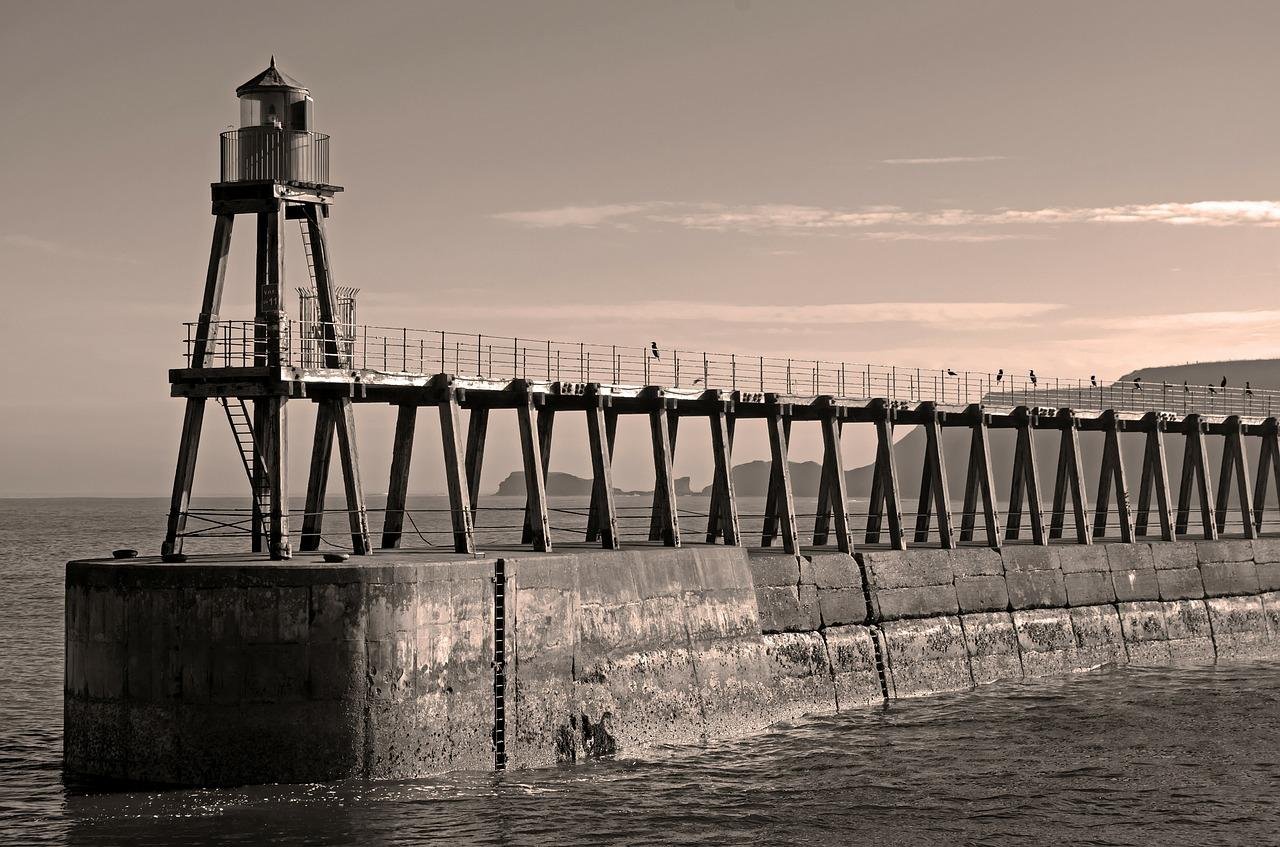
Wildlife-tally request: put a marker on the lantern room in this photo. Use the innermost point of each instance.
(275, 140)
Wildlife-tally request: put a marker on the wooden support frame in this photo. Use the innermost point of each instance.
(1234, 466)
(980, 481)
(1026, 482)
(274, 441)
(318, 479)
(398, 486)
(357, 514)
(477, 434)
(1069, 478)
(1155, 479)
(772, 521)
(1111, 474)
(1268, 467)
(784, 502)
(536, 452)
(598, 511)
(663, 435)
(723, 518)
(545, 428)
(835, 487)
(1195, 472)
(455, 475)
(603, 505)
(885, 497)
(658, 523)
(934, 494)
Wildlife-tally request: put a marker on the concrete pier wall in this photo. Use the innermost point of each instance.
(222, 672)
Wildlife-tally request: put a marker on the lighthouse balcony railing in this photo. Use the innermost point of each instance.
(315, 346)
(271, 153)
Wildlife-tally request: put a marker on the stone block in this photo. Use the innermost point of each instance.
(801, 675)
(1030, 557)
(1239, 627)
(976, 561)
(1099, 640)
(992, 645)
(1266, 550)
(771, 569)
(840, 606)
(926, 656)
(1046, 641)
(1268, 575)
(788, 608)
(917, 602)
(852, 653)
(1034, 589)
(1083, 558)
(1224, 550)
(1228, 578)
(1271, 615)
(1173, 555)
(1135, 584)
(1190, 636)
(1126, 557)
(835, 570)
(1088, 588)
(1180, 584)
(982, 593)
(890, 569)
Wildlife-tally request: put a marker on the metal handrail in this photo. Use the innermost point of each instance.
(269, 152)
(402, 350)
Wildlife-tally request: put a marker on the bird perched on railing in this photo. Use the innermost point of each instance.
(951, 372)
(1186, 389)
(1248, 389)
(1224, 382)
(1000, 375)
(653, 348)
(1032, 376)
(1093, 380)
(1137, 383)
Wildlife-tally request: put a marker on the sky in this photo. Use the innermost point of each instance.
(1078, 188)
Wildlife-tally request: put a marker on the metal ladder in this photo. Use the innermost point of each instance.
(242, 430)
(306, 251)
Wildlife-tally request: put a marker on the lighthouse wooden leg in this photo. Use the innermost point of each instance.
(596, 510)
(455, 476)
(1233, 466)
(716, 510)
(1112, 473)
(1195, 472)
(885, 498)
(836, 486)
(273, 438)
(786, 509)
(398, 485)
(184, 476)
(824, 513)
(657, 521)
(604, 509)
(1268, 466)
(318, 478)
(724, 502)
(935, 460)
(357, 513)
(769, 532)
(664, 488)
(535, 452)
(545, 429)
(477, 432)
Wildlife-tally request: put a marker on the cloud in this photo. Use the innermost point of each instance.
(966, 316)
(30, 242)
(953, 237)
(892, 222)
(1241, 320)
(943, 160)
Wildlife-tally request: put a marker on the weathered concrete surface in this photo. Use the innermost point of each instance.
(926, 656)
(1046, 640)
(1099, 639)
(915, 584)
(1034, 578)
(854, 652)
(215, 674)
(992, 645)
(1239, 627)
(979, 580)
(802, 683)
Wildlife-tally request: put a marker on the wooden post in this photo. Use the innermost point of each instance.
(935, 462)
(664, 487)
(724, 508)
(1026, 480)
(455, 475)
(603, 506)
(785, 503)
(1195, 470)
(773, 493)
(546, 427)
(326, 299)
(1155, 477)
(657, 521)
(275, 457)
(318, 478)
(477, 433)
(1112, 472)
(193, 414)
(885, 498)
(1070, 473)
(398, 486)
(259, 479)
(824, 513)
(835, 484)
(1268, 466)
(1233, 464)
(979, 480)
(535, 454)
(596, 510)
(348, 455)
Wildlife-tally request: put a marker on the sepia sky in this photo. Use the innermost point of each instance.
(1084, 187)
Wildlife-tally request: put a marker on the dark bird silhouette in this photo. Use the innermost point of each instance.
(653, 348)
(698, 380)
(1137, 383)
(1185, 387)
(1212, 390)
(1033, 377)
(1224, 382)
(950, 372)
(1093, 380)
(1248, 389)
(999, 374)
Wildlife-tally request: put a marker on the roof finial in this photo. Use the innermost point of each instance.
(273, 60)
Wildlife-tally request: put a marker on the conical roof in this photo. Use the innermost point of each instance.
(272, 79)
